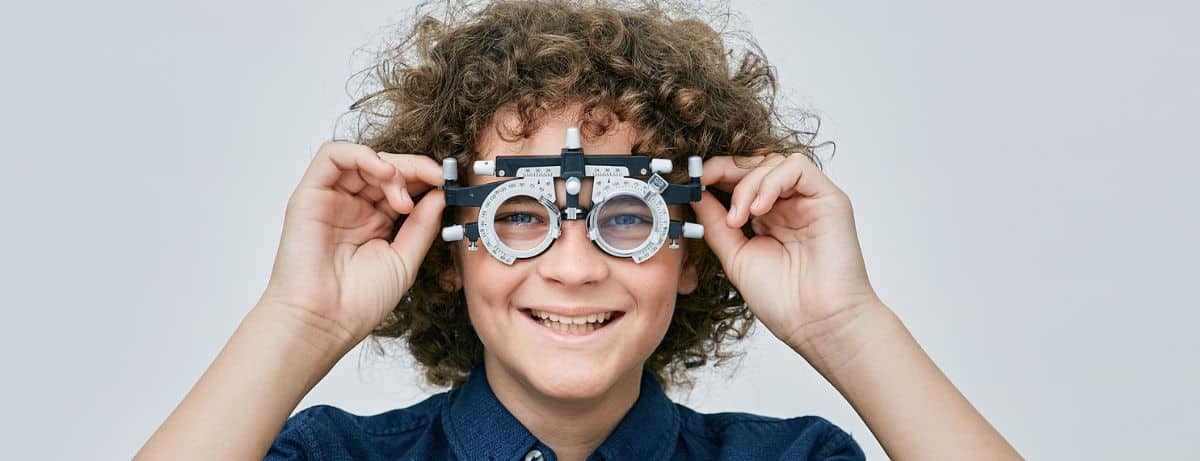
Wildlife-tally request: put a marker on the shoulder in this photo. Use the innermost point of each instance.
(325, 431)
(735, 434)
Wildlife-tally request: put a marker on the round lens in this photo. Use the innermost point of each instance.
(624, 222)
(521, 222)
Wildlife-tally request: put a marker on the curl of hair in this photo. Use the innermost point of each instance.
(657, 66)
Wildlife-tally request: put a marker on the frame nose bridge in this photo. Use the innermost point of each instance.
(585, 194)
(574, 232)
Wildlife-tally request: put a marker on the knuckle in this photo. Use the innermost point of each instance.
(295, 201)
(841, 199)
(325, 151)
(359, 150)
(804, 161)
(328, 146)
(329, 149)
(779, 181)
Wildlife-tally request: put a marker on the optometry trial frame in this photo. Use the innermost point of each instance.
(519, 218)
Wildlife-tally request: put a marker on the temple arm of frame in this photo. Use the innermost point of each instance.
(469, 195)
(678, 194)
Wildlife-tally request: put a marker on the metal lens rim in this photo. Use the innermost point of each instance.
(639, 190)
(530, 187)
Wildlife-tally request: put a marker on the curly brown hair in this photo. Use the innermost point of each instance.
(658, 67)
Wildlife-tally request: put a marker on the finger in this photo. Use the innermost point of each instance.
(373, 194)
(743, 195)
(778, 183)
(418, 231)
(784, 218)
(334, 159)
(759, 226)
(418, 172)
(393, 188)
(387, 210)
(399, 200)
(350, 182)
(801, 212)
(723, 239)
(812, 182)
(723, 172)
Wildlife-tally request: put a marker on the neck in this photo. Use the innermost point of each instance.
(572, 428)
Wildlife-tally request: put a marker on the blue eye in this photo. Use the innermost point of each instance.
(625, 220)
(520, 218)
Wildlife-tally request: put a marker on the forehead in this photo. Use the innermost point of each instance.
(548, 139)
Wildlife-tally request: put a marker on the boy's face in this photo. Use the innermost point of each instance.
(572, 277)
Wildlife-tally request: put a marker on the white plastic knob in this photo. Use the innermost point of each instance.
(452, 233)
(660, 165)
(692, 230)
(573, 138)
(484, 168)
(695, 166)
(450, 169)
(573, 186)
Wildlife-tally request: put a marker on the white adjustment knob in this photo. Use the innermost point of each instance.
(573, 138)
(573, 186)
(452, 233)
(660, 165)
(484, 168)
(692, 230)
(695, 166)
(450, 169)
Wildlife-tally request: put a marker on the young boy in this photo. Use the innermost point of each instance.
(556, 320)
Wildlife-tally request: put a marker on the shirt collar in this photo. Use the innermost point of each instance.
(480, 427)
(649, 430)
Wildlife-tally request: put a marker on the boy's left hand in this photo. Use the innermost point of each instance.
(804, 268)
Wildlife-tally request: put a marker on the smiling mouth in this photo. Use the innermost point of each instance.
(580, 325)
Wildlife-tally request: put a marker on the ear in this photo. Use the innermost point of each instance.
(689, 278)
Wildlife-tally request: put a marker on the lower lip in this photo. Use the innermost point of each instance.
(572, 339)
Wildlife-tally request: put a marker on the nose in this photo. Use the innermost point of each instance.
(573, 260)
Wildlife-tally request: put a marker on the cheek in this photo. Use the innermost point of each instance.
(481, 272)
(488, 285)
(654, 284)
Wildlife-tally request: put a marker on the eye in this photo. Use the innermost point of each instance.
(625, 220)
(520, 218)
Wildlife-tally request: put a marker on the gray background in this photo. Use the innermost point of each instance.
(1023, 173)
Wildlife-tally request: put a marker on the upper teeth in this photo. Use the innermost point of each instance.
(579, 320)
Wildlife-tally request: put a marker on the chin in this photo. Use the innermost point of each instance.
(575, 381)
(570, 377)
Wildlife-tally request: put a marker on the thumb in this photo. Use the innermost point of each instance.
(418, 231)
(722, 239)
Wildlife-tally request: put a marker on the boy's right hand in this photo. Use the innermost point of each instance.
(335, 269)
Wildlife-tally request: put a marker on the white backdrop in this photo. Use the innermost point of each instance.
(1024, 177)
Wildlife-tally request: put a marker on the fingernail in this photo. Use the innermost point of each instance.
(757, 203)
(383, 163)
(733, 211)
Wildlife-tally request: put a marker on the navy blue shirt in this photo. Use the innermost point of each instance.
(469, 423)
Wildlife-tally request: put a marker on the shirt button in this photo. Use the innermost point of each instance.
(534, 455)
